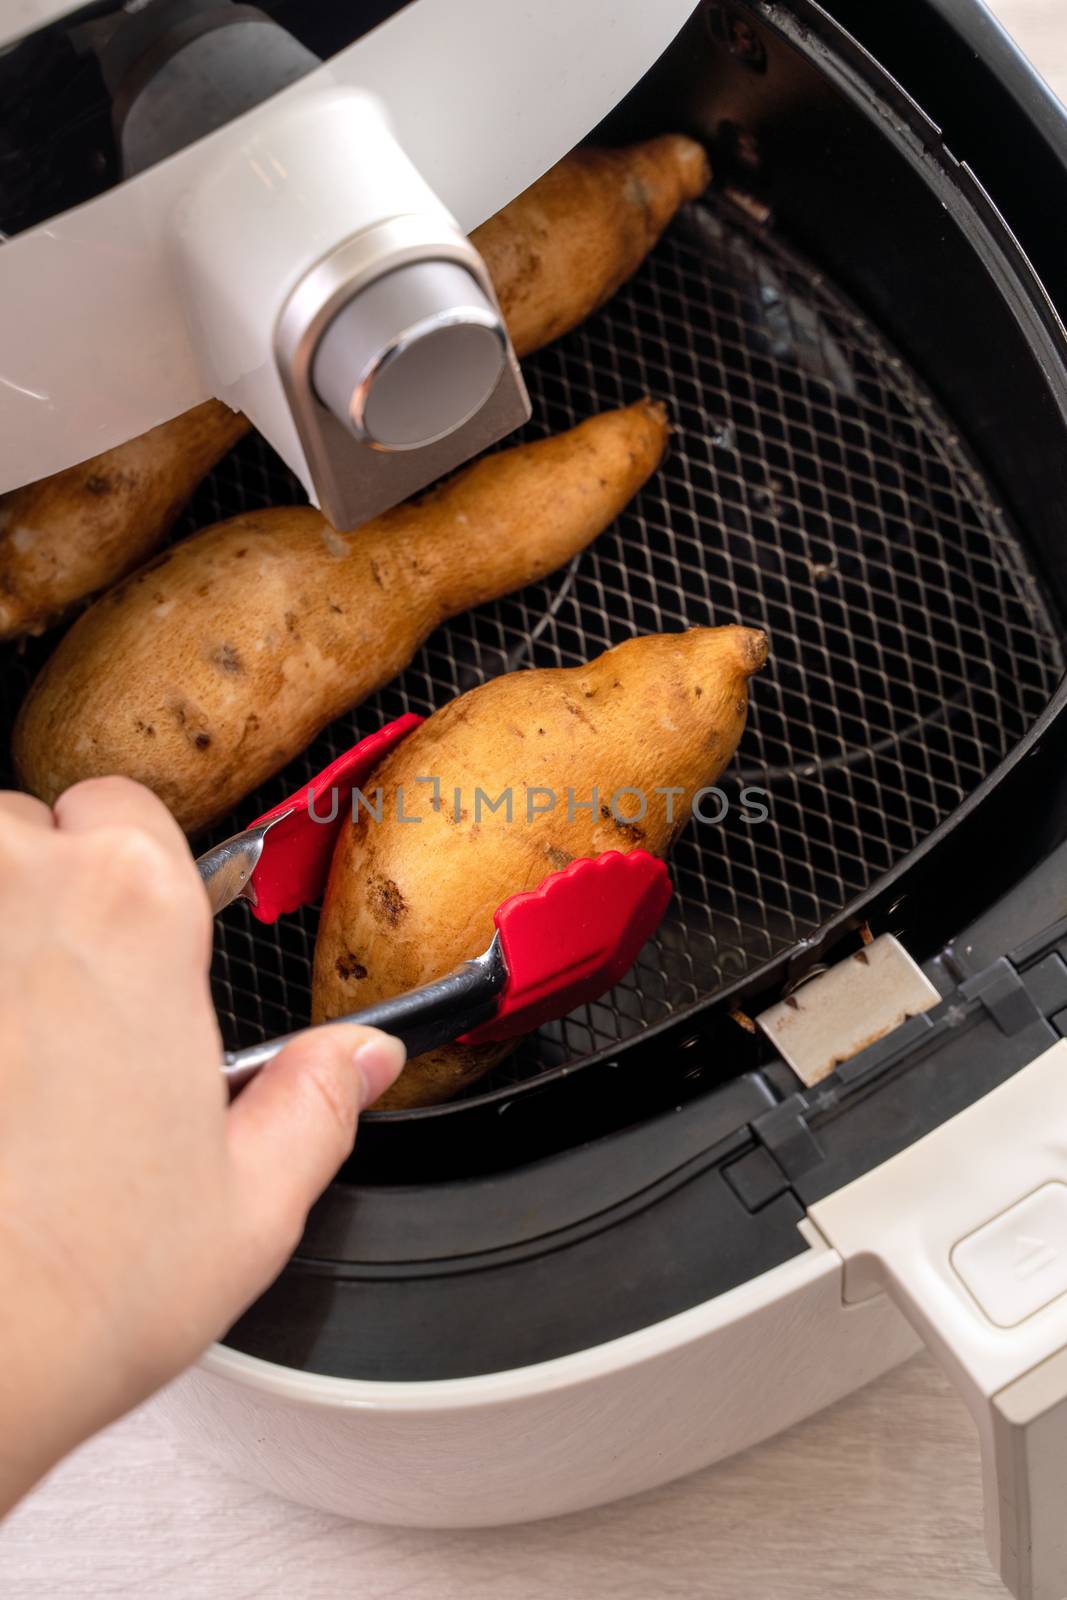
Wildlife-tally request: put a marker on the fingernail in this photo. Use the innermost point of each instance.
(379, 1059)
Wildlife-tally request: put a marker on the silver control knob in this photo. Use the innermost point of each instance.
(411, 357)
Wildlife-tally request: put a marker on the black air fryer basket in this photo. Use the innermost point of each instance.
(868, 389)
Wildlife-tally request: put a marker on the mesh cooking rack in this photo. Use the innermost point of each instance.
(812, 487)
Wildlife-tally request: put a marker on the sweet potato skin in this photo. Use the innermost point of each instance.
(407, 902)
(71, 534)
(211, 667)
(563, 246)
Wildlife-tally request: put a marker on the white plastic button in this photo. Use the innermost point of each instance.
(1017, 1264)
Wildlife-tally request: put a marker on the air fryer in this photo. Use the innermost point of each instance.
(869, 460)
(856, 334)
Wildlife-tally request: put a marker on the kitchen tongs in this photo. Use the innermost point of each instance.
(555, 947)
(282, 860)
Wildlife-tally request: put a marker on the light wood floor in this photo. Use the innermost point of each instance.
(1040, 28)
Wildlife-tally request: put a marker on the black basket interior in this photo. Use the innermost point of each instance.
(813, 487)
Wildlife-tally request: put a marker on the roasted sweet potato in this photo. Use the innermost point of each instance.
(214, 665)
(563, 246)
(67, 536)
(587, 755)
(554, 254)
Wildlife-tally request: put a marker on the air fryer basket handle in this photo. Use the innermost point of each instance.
(967, 1231)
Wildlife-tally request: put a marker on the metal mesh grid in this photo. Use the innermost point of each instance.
(812, 487)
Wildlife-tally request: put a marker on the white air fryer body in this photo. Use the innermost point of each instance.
(977, 1266)
(550, 1439)
(170, 287)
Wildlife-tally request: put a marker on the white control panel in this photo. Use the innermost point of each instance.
(966, 1229)
(1016, 1264)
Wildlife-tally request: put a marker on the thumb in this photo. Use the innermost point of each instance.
(294, 1125)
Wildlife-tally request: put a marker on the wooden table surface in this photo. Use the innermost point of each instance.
(876, 1499)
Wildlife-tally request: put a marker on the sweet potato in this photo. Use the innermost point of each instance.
(407, 902)
(214, 665)
(563, 246)
(67, 536)
(554, 254)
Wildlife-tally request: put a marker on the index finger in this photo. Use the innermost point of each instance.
(18, 807)
(116, 803)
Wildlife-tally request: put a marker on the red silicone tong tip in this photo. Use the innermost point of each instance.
(570, 940)
(295, 863)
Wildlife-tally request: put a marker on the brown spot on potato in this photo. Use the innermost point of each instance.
(387, 904)
(239, 555)
(629, 830)
(697, 692)
(227, 659)
(349, 967)
(636, 191)
(291, 622)
(337, 610)
(576, 711)
(190, 719)
(559, 858)
(376, 574)
(98, 484)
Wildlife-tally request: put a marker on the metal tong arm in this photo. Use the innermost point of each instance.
(226, 871)
(432, 1015)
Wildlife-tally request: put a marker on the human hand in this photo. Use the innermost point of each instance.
(139, 1213)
